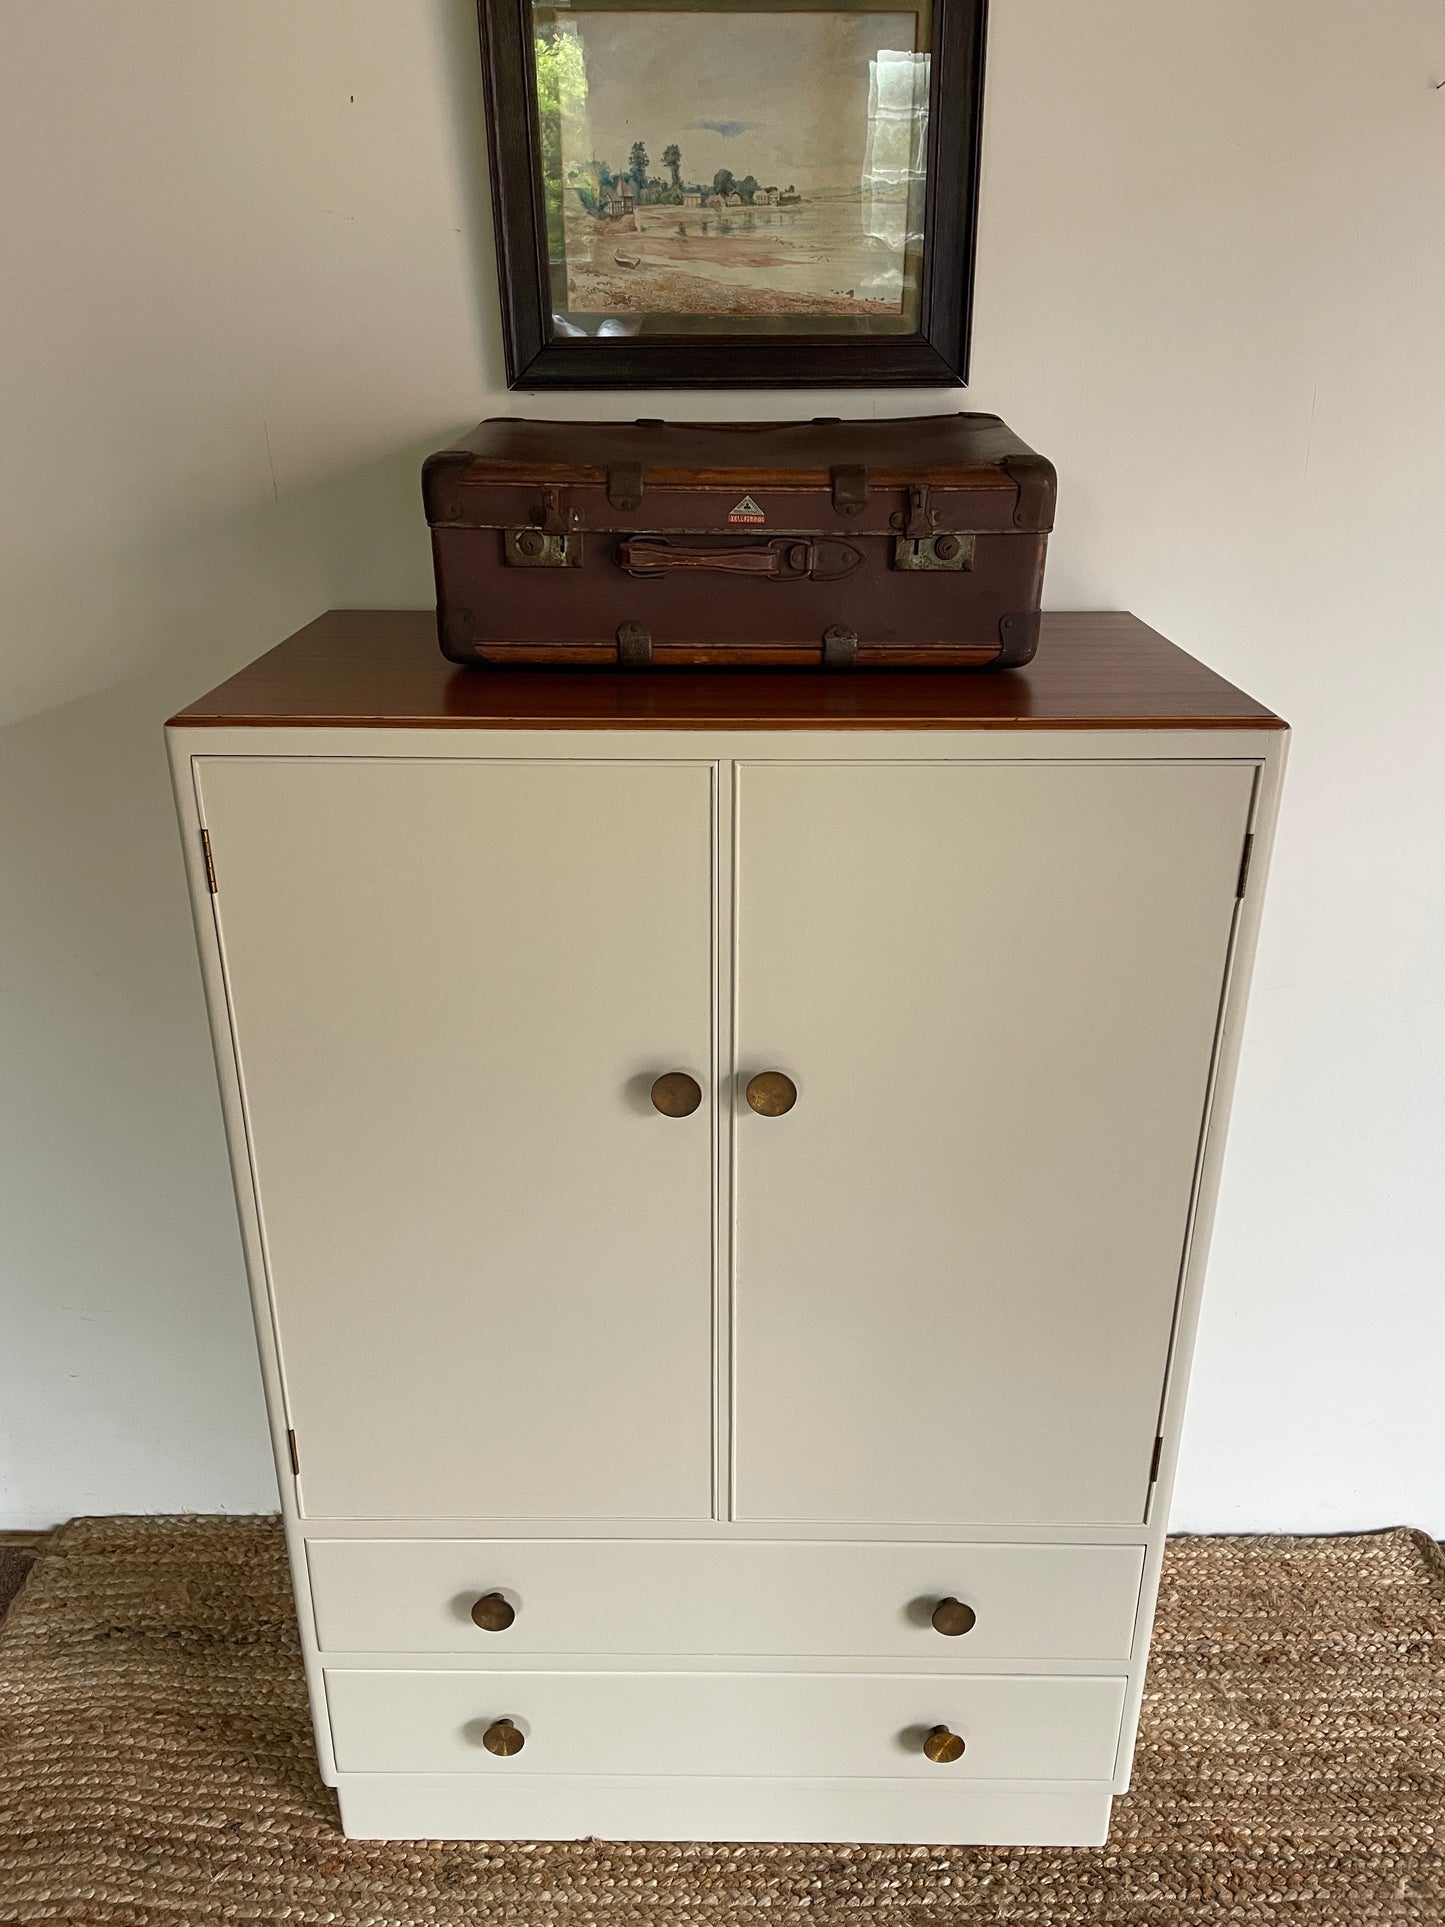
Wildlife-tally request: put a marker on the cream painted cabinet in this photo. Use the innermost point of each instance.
(794, 1467)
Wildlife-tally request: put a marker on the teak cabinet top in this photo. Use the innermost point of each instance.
(382, 668)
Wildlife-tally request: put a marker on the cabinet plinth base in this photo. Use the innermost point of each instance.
(385, 1806)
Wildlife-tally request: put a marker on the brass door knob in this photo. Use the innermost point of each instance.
(676, 1094)
(943, 1747)
(503, 1739)
(951, 1617)
(493, 1613)
(771, 1093)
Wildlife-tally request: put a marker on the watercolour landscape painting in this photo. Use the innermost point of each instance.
(747, 172)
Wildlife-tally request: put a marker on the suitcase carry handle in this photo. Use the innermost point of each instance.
(781, 560)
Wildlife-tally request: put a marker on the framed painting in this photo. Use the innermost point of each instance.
(734, 193)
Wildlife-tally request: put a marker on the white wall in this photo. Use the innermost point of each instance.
(245, 283)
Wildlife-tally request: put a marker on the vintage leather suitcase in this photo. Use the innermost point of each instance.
(904, 542)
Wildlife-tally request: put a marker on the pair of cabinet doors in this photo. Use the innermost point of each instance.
(939, 1290)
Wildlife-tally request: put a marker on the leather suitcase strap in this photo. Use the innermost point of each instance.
(788, 558)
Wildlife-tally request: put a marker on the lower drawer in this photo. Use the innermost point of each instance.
(618, 1596)
(763, 1724)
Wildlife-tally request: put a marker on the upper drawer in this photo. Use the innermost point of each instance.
(823, 1724)
(720, 1597)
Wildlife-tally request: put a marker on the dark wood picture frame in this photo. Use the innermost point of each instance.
(935, 356)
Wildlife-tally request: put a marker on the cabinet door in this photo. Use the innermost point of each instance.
(996, 987)
(451, 986)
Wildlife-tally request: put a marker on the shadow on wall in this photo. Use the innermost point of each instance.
(128, 1358)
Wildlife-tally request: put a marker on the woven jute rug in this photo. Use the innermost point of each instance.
(157, 1766)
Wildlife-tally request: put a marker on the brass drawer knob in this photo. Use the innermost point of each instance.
(771, 1093)
(676, 1094)
(503, 1739)
(493, 1613)
(943, 1747)
(951, 1617)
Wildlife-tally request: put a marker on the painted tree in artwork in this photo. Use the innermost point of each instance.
(561, 90)
(672, 161)
(723, 182)
(637, 165)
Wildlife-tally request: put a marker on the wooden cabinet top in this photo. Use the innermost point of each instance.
(361, 668)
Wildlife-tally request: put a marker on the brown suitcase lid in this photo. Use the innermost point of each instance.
(964, 452)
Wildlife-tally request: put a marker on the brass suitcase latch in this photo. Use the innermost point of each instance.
(933, 551)
(536, 549)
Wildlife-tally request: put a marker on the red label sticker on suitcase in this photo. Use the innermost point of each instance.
(747, 511)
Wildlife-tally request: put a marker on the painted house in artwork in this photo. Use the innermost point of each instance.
(692, 197)
(618, 199)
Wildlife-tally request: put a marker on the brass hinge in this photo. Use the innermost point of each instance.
(1244, 866)
(1154, 1462)
(295, 1455)
(210, 866)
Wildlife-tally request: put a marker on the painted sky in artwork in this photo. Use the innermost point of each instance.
(782, 96)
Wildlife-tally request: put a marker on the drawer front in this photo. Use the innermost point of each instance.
(753, 1724)
(726, 1597)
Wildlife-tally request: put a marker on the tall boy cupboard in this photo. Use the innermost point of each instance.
(725, 1163)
